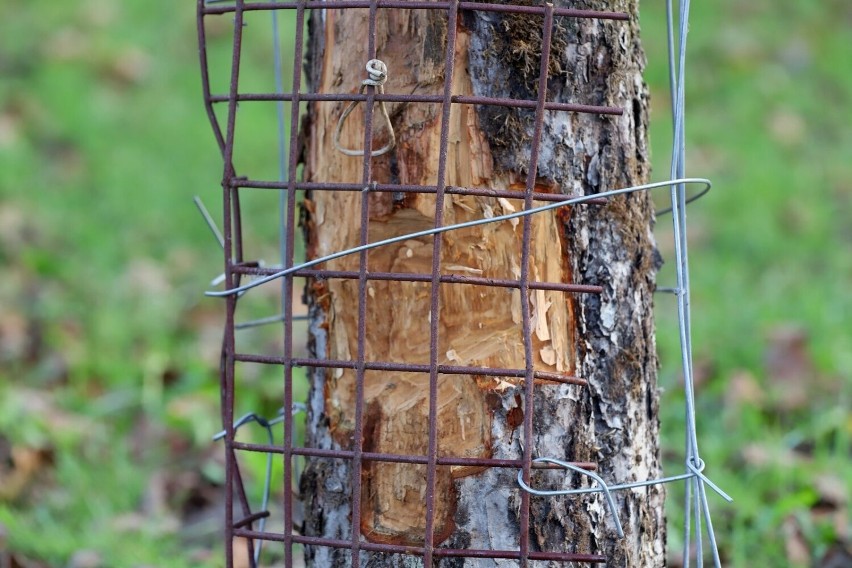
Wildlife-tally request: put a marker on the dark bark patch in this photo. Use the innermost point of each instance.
(515, 416)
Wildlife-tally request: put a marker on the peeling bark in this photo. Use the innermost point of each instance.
(607, 339)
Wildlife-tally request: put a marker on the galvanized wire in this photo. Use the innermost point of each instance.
(458, 226)
(696, 494)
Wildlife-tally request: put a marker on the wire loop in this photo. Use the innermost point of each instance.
(602, 487)
(377, 75)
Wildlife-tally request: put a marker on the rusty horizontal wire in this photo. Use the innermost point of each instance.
(444, 461)
(417, 5)
(414, 277)
(410, 368)
(239, 182)
(423, 99)
(249, 519)
(419, 550)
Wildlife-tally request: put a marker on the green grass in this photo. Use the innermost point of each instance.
(767, 82)
(108, 351)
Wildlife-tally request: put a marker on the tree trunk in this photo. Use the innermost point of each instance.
(607, 339)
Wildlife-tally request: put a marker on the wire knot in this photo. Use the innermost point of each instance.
(377, 71)
(377, 75)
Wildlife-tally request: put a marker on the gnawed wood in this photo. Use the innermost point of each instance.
(478, 326)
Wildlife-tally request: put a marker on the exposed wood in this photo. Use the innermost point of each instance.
(608, 340)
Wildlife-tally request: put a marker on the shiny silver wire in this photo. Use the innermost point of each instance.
(665, 290)
(267, 425)
(697, 508)
(696, 495)
(209, 220)
(278, 72)
(264, 505)
(377, 74)
(690, 199)
(282, 176)
(606, 489)
(458, 226)
(211, 224)
(602, 488)
(278, 318)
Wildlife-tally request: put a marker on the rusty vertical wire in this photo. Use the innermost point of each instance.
(435, 296)
(529, 379)
(360, 369)
(231, 303)
(214, 121)
(244, 503)
(288, 286)
(205, 78)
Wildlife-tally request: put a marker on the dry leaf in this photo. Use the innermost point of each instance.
(23, 466)
(760, 455)
(16, 231)
(146, 277)
(838, 556)
(798, 553)
(790, 370)
(17, 560)
(743, 389)
(787, 127)
(67, 44)
(86, 559)
(130, 67)
(702, 371)
(10, 128)
(101, 13)
(14, 336)
(832, 490)
(832, 505)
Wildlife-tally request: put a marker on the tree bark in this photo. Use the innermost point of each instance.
(607, 339)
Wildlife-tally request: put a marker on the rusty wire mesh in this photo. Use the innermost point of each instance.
(241, 519)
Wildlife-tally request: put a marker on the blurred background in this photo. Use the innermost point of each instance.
(109, 352)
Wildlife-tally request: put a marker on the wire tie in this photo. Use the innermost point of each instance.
(602, 486)
(697, 471)
(254, 417)
(377, 74)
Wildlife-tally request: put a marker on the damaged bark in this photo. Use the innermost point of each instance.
(607, 339)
